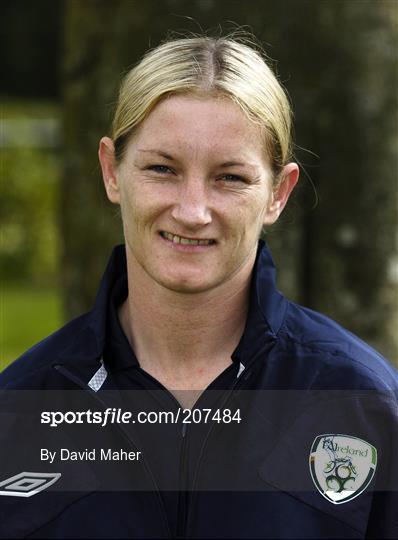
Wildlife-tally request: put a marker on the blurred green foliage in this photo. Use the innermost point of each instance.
(27, 314)
(30, 177)
(29, 242)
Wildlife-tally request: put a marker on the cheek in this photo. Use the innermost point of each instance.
(129, 207)
(251, 216)
(138, 207)
(245, 225)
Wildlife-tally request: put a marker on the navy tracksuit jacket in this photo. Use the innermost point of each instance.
(297, 378)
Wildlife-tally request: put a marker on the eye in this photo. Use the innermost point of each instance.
(161, 169)
(232, 178)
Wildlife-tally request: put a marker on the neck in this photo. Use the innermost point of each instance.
(184, 340)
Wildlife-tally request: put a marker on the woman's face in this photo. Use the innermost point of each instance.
(195, 189)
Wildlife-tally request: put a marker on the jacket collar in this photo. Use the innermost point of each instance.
(267, 310)
(88, 345)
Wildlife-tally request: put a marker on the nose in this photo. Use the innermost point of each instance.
(192, 210)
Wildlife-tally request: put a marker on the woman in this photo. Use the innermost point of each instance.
(292, 432)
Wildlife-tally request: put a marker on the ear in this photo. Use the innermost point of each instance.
(106, 154)
(287, 180)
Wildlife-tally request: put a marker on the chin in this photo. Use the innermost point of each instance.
(186, 286)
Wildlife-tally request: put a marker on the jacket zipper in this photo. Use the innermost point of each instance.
(183, 488)
(184, 509)
(183, 495)
(204, 444)
(234, 390)
(70, 376)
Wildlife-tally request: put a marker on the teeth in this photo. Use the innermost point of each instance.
(186, 241)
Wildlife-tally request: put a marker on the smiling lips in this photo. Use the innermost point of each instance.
(186, 241)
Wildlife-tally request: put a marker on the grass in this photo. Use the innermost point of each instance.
(27, 315)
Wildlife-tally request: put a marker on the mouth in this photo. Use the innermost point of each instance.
(176, 239)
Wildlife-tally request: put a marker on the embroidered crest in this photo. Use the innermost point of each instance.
(342, 466)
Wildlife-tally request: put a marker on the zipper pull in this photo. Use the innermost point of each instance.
(184, 429)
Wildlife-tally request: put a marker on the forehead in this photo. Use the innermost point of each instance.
(200, 125)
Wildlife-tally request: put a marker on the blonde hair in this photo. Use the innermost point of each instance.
(207, 66)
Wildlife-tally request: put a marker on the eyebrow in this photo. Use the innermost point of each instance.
(159, 152)
(233, 164)
(171, 158)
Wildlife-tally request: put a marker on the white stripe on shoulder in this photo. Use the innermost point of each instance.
(98, 379)
(241, 370)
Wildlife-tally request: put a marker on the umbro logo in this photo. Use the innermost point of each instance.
(26, 484)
